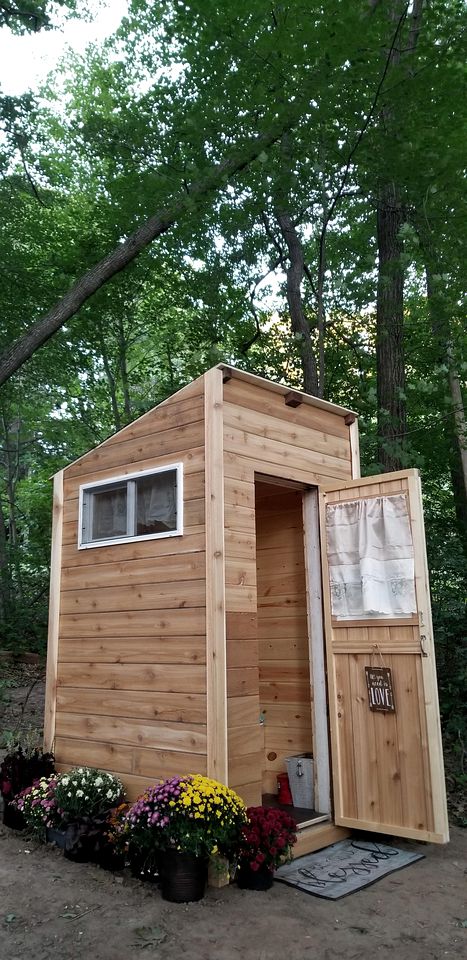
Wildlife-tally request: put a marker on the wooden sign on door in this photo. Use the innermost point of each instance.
(380, 689)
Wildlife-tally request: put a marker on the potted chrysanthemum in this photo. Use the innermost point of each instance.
(38, 807)
(179, 823)
(85, 796)
(266, 842)
(23, 764)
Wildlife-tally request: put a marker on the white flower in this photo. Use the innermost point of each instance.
(109, 794)
(70, 793)
(75, 783)
(98, 781)
(65, 781)
(79, 793)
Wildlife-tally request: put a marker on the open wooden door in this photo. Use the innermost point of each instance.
(388, 771)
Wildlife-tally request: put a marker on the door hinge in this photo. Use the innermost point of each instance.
(422, 645)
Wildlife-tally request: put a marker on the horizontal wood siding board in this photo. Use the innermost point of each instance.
(192, 541)
(287, 692)
(189, 392)
(243, 711)
(240, 598)
(241, 744)
(193, 517)
(244, 769)
(283, 648)
(283, 670)
(255, 397)
(273, 428)
(171, 415)
(193, 463)
(250, 793)
(106, 756)
(167, 763)
(282, 453)
(242, 626)
(154, 734)
(144, 623)
(239, 545)
(239, 492)
(281, 627)
(122, 573)
(158, 678)
(240, 574)
(181, 707)
(287, 715)
(288, 741)
(156, 444)
(141, 596)
(139, 762)
(236, 464)
(281, 586)
(242, 653)
(242, 681)
(133, 650)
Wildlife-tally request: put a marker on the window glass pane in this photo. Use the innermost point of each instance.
(156, 503)
(109, 513)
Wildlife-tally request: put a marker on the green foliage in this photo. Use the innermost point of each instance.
(121, 130)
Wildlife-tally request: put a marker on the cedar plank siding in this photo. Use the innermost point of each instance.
(131, 670)
(305, 444)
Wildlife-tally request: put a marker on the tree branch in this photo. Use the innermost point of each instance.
(116, 261)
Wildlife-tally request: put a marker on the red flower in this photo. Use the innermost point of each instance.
(267, 838)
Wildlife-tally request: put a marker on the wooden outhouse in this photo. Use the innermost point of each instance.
(227, 592)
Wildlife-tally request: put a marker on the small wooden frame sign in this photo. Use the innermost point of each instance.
(380, 690)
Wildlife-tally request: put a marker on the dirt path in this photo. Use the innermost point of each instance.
(51, 908)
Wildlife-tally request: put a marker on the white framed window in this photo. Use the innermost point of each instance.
(138, 506)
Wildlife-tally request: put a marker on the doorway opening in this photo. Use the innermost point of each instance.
(285, 650)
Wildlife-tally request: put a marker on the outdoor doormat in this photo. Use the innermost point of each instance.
(344, 867)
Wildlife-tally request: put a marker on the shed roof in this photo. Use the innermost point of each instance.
(234, 372)
(271, 385)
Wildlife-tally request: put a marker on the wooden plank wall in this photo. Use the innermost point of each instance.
(262, 436)
(383, 758)
(131, 684)
(284, 665)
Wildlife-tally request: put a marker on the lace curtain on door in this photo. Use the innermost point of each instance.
(370, 553)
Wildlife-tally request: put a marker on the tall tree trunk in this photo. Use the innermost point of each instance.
(122, 362)
(390, 358)
(457, 426)
(110, 378)
(298, 320)
(390, 366)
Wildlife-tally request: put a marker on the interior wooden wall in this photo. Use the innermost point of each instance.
(284, 664)
(131, 672)
(262, 436)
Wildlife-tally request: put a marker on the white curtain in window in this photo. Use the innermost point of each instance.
(156, 508)
(370, 553)
(109, 514)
